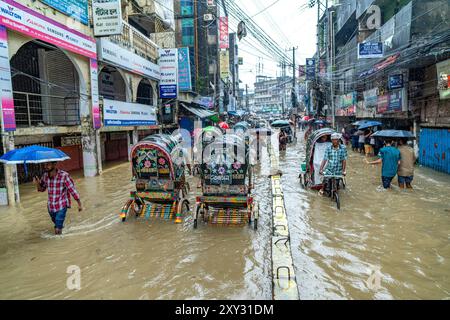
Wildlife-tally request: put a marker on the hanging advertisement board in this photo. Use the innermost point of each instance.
(22, 19)
(310, 69)
(111, 52)
(223, 33)
(184, 70)
(224, 64)
(97, 122)
(6, 93)
(107, 16)
(168, 64)
(76, 9)
(119, 113)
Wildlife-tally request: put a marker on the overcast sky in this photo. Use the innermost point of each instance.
(294, 26)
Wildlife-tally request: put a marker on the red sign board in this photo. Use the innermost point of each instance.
(223, 33)
(383, 103)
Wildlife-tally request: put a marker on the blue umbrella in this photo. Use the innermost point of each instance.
(369, 124)
(280, 123)
(33, 154)
(394, 134)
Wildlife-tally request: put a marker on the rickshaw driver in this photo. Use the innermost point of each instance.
(334, 161)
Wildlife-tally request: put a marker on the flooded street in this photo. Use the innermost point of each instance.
(403, 234)
(133, 260)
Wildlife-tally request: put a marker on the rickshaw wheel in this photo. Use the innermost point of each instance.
(197, 211)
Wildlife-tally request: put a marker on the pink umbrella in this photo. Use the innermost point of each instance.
(224, 125)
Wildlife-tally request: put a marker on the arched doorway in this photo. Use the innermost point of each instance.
(145, 92)
(111, 84)
(45, 86)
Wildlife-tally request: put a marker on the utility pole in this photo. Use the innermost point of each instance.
(246, 98)
(331, 39)
(293, 77)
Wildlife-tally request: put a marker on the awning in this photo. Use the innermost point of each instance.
(199, 112)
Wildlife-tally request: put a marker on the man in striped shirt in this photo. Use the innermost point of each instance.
(60, 187)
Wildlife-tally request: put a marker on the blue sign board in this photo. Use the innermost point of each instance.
(396, 81)
(310, 69)
(168, 91)
(77, 9)
(370, 50)
(395, 101)
(184, 70)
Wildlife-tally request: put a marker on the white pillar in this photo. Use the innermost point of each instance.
(90, 154)
(11, 180)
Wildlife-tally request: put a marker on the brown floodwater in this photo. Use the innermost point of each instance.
(137, 259)
(403, 234)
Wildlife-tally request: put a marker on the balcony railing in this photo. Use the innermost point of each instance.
(33, 109)
(136, 42)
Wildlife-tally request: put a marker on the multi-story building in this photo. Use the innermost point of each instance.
(272, 95)
(403, 86)
(68, 88)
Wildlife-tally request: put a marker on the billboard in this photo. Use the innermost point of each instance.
(395, 81)
(76, 9)
(383, 103)
(223, 33)
(184, 70)
(97, 122)
(168, 64)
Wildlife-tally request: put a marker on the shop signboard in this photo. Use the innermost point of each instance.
(20, 18)
(443, 76)
(370, 98)
(6, 93)
(107, 16)
(111, 52)
(76, 9)
(395, 101)
(348, 100)
(168, 64)
(383, 103)
(223, 33)
(368, 50)
(119, 113)
(184, 70)
(395, 81)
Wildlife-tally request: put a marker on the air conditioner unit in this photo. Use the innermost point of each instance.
(208, 17)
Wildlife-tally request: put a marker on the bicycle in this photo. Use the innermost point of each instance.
(331, 187)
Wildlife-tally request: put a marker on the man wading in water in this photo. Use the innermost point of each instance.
(60, 186)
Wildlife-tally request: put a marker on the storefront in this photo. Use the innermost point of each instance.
(127, 86)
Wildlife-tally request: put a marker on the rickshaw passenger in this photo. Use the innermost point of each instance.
(335, 159)
(319, 152)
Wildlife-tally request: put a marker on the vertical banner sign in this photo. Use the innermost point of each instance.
(6, 95)
(107, 16)
(224, 64)
(310, 69)
(94, 92)
(223, 33)
(168, 64)
(184, 70)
